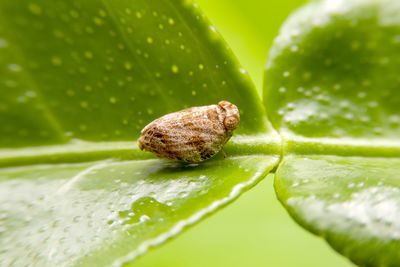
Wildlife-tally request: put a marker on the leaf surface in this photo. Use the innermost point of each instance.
(79, 80)
(332, 89)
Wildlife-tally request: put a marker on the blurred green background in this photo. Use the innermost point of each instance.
(255, 230)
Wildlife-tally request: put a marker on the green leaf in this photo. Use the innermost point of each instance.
(332, 88)
(79, 80)
(352, 202)
(111, 212)
(100, 71)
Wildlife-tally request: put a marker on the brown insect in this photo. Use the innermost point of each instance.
(192, 135)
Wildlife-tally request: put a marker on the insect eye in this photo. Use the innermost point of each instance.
(231, 122)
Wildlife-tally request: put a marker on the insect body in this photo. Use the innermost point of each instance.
(192, 135)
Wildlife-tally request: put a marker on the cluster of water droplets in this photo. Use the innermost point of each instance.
(143, 72)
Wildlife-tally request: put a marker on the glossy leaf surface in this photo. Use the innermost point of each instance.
(333, 71)
(79, 80)
(111, 212)
(332, 88)
(100, 71)
(352, 202)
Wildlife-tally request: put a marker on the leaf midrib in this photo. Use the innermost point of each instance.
(344, 146)
(80, 151)
(257, 144)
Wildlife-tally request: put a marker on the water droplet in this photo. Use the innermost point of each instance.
(323, 116)
(384, 60)
(89, 29)
(201, 66)
(30, 94)
(56, 61)
(294, 48)
(149, 111)
(68, 133)
(149, 40)
(88, 88)
(121, 46)
(10, 83)
(182, 47)
(372, 104)
(174, 68)
(349, 116)
(14, 67)
(35, 9)
(344, 104)
(70, 92)
(144, 218)
(113, 100)
(82, 127)
(396, 39)
(128, 65)
(286, 74)
(102, 13)
(365, 119)
(361, 95)
(183, 194)
(242, 70)
(74, 14)
(316, 89)
(394, 119)
(3, 43)
(98, 21)
(128, 11)
(84, 104)
(194, 93)
(171, 21)
(328, 62)
(307, 75)
(282, 90)
(355, 45)
(88, 55)
(366, 82)
(21, 99)
(160, 26)
(378, 130)
(138, 15)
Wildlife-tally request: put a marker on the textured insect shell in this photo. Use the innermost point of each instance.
(192, 135)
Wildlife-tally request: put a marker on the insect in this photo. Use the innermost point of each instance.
(191, 135)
